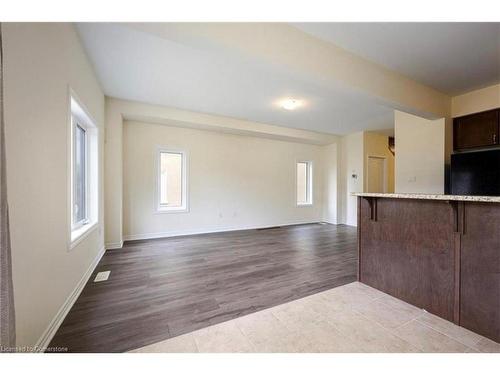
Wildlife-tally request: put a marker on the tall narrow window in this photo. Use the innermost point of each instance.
(84, 173)
(80, 191)
(304, 183)
(172, 181)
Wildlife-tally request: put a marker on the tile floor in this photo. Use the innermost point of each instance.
(350, 318)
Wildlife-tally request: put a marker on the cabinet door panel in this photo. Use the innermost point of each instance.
(409, 251)
(480, 269)
(477, 130)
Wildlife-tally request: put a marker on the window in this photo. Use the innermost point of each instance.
(304, 183)
(80, 191)
(172, 180)
(84, 173)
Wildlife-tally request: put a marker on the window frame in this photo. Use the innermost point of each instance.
(309, 183)
(78, 115)
(184, 207)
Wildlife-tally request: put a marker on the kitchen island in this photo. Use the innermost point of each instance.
(438, 252)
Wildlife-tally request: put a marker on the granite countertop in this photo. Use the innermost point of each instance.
(441, 197)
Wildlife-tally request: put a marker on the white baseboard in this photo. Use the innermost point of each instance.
(44, 341)
(148, 236)
(351, 225)
(338, 223)
(114, 245)
(329, 222)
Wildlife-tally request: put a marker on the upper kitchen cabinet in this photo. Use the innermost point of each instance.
(476, 130)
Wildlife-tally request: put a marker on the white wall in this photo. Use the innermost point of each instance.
(113, 176)
(420, 154)
(307, 55)
(42, 61)
(234, 181)
(351, 163)
(331, 183)
(118, 110)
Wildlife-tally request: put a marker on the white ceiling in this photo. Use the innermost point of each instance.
(451, 57)
(140, 66)
(165, 69)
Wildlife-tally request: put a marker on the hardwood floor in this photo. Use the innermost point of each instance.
(167, 287)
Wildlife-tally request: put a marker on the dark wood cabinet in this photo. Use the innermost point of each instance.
(442, 256)
(407, 250)
(480, 269)
(476, 130)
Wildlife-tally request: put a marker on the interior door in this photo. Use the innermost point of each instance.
(376, 174)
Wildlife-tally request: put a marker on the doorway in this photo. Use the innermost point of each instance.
(376, 175)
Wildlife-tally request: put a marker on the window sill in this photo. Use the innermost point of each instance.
(171, 210)
(305, 204)
(78, 235)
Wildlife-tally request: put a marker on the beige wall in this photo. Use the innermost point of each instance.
(476, 101)
(41, 62)
(351, 163)
(378, 145)
(420, 154)
(234, 181)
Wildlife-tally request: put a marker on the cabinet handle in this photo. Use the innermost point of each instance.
(494, 138)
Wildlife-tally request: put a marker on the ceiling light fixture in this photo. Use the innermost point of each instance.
(290, 104)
